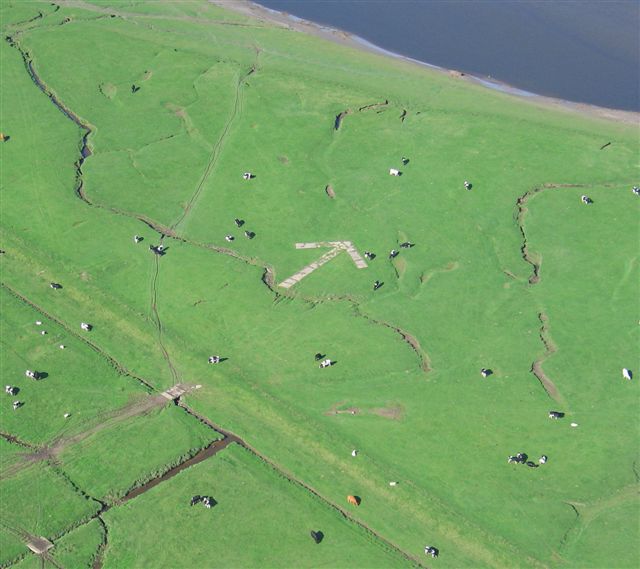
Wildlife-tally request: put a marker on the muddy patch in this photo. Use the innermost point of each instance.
(336, 410)
(108, 90)
(85, 276)
(394, 412)
(283, 159)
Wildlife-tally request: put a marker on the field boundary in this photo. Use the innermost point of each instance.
(120, 368)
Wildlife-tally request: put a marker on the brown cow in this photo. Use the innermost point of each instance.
(355, 500)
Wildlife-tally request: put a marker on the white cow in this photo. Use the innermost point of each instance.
(394, 172)
(626, 373)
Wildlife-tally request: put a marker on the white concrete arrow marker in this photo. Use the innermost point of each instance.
(336, 247)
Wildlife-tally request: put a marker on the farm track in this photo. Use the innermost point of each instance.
(158, 323)
(215, 154)
(51, 451)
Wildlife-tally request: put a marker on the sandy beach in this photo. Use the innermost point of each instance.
(347, 39)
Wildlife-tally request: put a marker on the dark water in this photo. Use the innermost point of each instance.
(580, 50)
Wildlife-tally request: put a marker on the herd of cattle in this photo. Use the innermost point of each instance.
(317, 536)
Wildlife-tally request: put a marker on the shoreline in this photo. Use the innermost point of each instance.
(289, 21)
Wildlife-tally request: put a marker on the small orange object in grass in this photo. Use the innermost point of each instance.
(355, 500)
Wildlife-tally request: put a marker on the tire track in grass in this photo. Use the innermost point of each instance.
(217, 147)
(155, 316)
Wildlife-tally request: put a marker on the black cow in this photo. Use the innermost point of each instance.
(317, 536)
(555, 415)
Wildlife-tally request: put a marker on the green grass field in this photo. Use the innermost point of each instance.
(218, 94)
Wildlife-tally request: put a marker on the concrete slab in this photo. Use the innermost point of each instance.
(39, 545)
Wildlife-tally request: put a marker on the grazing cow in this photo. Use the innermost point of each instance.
(407, 245)
(158, 250)
(394, 172)
(636, 190)
(137, 238)
(55, 286)
(369, 255)
(249, 234)
(377, 285)
(214, 359)
(626, 373)
(326, 363)
(586, 200)
(247, 176)
(238, 222)
(430, 550)
(405, 161)
(135, 88)
(38, 322)
(229, 238)
(17, 404)
(67, 415)
(467, 185)
(354, 452)
(317, 536)
(485, 372)
(11, 390)
(206, 501)
(393, 253)
(195, 499)
(43, 332)
(353, 500)
(531, 464)
(555, 415)
(519, 458)
(61, 346)
(393, 483)
(32, 374)
(318, 356)
(86, 326)
(543, 459)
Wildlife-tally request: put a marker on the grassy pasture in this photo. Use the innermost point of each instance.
(78, 381)
(40, 501)
(260, 520)
(110, 462)
(78, 548)
(462, 292)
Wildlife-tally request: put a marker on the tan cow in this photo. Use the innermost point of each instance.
(354, 500)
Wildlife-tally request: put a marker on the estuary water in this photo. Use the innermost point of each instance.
(584, 51)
